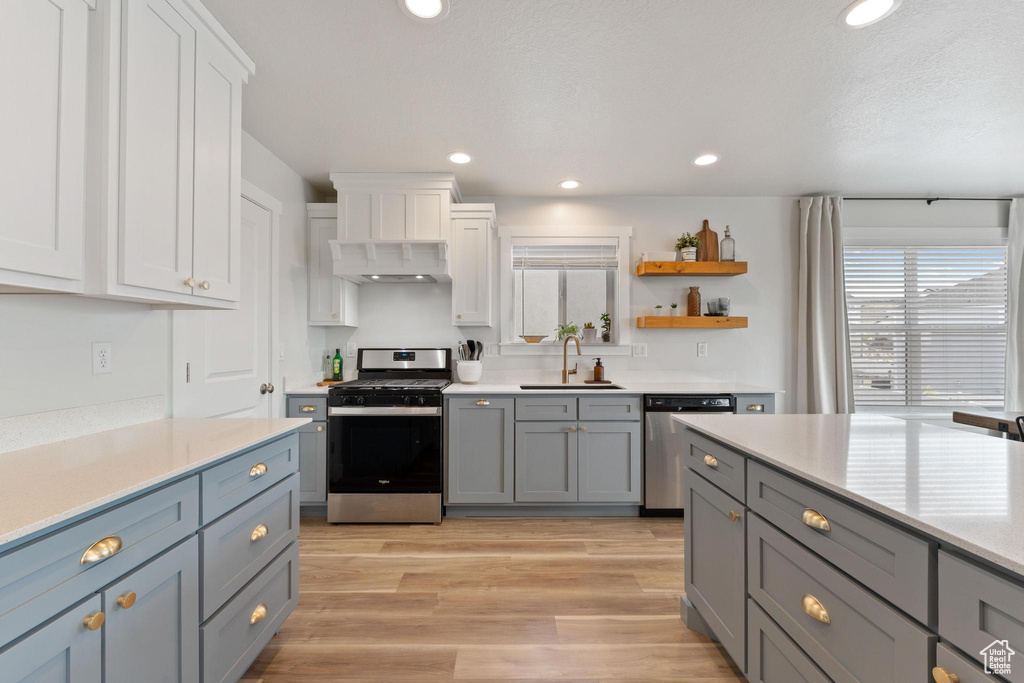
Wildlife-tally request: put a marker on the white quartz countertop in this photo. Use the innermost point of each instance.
(49, 484)
(311, 389)
(628, 387)
(963, 489)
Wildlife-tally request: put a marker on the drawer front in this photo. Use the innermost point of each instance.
(755, 404)
(231, 483)
(948, 661)
(611, 407)
(236, 547)
(45, 576)
(546, 408)
(63, 651)
(724, 468)
(866, 640)
(772, 657)
(977, 608)
(230, 642)
(307, 406)
(891, 562)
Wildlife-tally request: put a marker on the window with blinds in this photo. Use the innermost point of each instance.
(565, 257)
(927, 325)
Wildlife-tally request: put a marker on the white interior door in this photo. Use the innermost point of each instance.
(223, 358)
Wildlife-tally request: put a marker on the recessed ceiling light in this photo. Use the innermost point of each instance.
(425, 10)
(705, 159)
(866, 12)
(375, 277)
(459, 158)
(419, 277)
(569, 184)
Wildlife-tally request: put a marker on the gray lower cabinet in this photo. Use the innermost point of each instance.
(952, 666)
(481, 450)
(609, 462)
(546, 462)
(773, 657)
(152, 620)
(755, 404)
(62, 651)
(313, 463)
(715, 534)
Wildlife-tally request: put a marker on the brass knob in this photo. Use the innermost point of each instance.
(711, 461)
(259, 533)
(319, 428)
(583, 429)
(101, 550)
(205, 284)
(258, 470)
(458, 316)
(815, 520)
(94, 621)
(258, 614)
(814, 609)
(334, 315)
(127, 600)
(483, 402)
(942, 676)
(733, 516)
(756, 407)
(572, 429)
(190, 282)
(309, 409)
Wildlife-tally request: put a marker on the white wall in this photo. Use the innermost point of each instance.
(765, 234)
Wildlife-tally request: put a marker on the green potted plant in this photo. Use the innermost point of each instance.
(562, 331)
(675, 309)
(606, 328)
(659, 310)
(589, 333)
(687, 246)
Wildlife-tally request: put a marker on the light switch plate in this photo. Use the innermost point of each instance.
(350, 350)
(640, 350)
(490, 349)
(102, 358)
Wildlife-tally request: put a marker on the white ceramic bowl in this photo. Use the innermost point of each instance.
(469, 370)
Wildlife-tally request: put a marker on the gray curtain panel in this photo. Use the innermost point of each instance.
(824, 382)
(1015, 309)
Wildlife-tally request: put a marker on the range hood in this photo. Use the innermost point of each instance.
(381, 261)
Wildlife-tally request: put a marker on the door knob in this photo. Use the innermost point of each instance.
(270, 388)
(263, 388)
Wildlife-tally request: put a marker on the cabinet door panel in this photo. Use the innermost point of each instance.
(313, 463)
(43, 110)
(471, 277)
(609, 462)
(546, 462)
(63, 651)
(157, 116)
(480, 450)
(159, 632)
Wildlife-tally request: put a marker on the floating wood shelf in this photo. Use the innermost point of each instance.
(692, 322)
(710, 268)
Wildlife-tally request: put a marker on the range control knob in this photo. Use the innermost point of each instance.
(408, 400)
(360, 400)
(422, 401)
(345, 400)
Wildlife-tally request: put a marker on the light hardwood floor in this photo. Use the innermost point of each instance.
(491, 600)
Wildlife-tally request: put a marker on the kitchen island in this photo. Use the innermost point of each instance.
(854, 548)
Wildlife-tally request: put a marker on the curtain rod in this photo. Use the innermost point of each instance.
(930, 200)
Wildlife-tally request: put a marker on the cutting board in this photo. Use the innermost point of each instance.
(707, 250)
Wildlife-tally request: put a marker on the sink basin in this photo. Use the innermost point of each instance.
(567, 387)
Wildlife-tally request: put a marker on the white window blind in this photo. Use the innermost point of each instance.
(565, 257)
(927, 325)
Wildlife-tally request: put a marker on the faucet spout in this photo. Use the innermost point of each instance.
(565, 360)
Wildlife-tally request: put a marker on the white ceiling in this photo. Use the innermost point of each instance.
(623, 94)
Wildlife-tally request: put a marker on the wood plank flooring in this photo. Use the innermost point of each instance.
(495, 600)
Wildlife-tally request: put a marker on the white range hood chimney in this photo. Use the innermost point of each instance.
(380, 261)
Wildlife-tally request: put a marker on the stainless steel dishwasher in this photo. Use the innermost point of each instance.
(664, 492)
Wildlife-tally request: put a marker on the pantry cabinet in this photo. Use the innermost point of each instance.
(43, 56)
(332, 300)
(473, 228)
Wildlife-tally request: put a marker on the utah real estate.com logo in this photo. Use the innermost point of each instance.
(997, 657)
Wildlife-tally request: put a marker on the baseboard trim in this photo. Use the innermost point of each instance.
(542, 511)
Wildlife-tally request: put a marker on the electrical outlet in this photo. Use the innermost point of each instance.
(640, 350)
(280, 352)
(350, 350)
(702, 349)
(490, 349)
(102, 358)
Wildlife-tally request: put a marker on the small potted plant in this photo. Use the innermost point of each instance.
(606, 328)
(687, 246)
(675, 309)
(589, 333)
(659, 310)
(563, 331)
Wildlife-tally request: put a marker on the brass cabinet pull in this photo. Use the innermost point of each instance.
(483, 402)
(258, 470)
(127, 600)
(755, 407)
(711, 461)
(101, 550)
(815, 520)
(583, 429)
(258, 614)
(205, 284)
(309, 409)
(458, 316)
(190, 282)
(733, 516)
(942, 676)
(814, 609)
(94, 620)
(572, 429)
(319, 428)
(259, 533)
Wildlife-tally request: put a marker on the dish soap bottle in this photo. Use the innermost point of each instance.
(328, 367)
(598, 371)
(336, 367)
(727, 248)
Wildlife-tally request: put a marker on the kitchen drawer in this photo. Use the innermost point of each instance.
(231, 640)
(45, 576)
(611, 407)
(724, 468)
(231, 483)
(894, 563)
(948, 661)
(546, 408)
(62, 650)
(772, 657)
(866, 640)
(978, 607)
(237, 546)
(307, 406)
(755, 404)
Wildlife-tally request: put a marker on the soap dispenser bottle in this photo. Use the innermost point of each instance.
(598, 371)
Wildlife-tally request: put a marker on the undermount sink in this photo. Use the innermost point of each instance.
(553, 387)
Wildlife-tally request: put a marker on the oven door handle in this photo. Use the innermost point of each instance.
(383, 411)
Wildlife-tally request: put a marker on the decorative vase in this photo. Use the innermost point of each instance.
(606, 337)
(688, 254)
(589, 335)
(693, 302)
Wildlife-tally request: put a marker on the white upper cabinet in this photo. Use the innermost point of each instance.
(43, 55)
(332, 300)
(473, 228)
(395, 207)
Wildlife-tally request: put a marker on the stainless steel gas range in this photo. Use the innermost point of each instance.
(385, 456)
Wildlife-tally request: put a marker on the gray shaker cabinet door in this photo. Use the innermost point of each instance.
(155, 626)
(609, 462)
(481, 449)
(716, 564)
(63, 651)
(547, 462)
(313, 463)
(772, 656)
